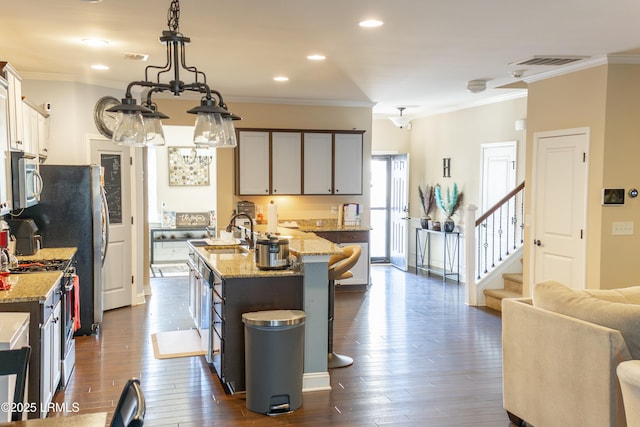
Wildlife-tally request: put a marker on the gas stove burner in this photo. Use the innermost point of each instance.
(34, 266)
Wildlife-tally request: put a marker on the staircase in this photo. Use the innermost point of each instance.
(512, 289)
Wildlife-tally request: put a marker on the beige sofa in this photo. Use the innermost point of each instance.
(560, 353)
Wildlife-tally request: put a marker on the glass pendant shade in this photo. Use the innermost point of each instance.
(154, 132)
(129, 129)
(229, 133)
(209, 130)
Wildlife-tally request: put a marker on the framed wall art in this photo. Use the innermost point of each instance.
(185, 169)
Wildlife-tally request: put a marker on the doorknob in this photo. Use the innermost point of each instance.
(537, 242)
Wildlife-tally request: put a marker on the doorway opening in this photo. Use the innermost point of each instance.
(380, 211)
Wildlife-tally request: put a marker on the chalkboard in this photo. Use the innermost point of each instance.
(113, 185)
(192, 219)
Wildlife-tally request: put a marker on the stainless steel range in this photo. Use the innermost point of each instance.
(67, 313)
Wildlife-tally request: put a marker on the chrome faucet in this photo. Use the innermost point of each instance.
(232, 223)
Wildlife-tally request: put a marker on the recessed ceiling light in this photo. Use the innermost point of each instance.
(100, 67)
(281, 79)
(316, 57)
(371, 23)
(95, 42)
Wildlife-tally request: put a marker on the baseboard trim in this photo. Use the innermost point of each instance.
(316, 381)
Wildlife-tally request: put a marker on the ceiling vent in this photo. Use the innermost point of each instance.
(136, 56)
(550, 60)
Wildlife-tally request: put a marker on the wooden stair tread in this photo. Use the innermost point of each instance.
(501, 293)
(514, 277)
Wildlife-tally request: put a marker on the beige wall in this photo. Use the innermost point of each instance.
(621, 169)
(604, 99)
(459, 135)
(566, 102)
(284, 116)
(389, 139)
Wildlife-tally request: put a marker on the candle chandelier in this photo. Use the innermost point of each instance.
(141, 125)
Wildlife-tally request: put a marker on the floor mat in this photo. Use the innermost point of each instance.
(169, 270)
(171, 344)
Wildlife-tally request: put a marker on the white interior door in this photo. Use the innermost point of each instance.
(399, 209)
(498, 177)
(498, 171)
(117, 269)
(559, 206)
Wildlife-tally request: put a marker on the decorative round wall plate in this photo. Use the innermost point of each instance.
(105, 120)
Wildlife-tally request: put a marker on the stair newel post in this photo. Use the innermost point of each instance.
(470, 256)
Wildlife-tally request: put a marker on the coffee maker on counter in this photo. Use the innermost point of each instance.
(25, 230)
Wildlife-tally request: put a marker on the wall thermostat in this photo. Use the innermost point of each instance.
(613, 196)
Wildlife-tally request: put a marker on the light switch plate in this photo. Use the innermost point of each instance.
(622, 228)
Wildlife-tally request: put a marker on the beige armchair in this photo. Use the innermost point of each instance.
(629, 376)
(560, 355)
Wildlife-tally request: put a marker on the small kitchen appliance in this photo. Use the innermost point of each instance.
(272, 253)
(246, 207)
(28, 241)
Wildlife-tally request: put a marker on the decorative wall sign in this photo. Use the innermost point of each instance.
(446, 167)
(182, 173)
(192, 219)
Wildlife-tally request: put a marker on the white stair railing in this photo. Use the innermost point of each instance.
(497, 233)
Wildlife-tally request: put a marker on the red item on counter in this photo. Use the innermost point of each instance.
(4, 281)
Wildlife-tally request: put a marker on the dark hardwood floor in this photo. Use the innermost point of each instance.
(422, 358)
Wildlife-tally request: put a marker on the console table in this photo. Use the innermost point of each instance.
(181, 234)
(451, 253)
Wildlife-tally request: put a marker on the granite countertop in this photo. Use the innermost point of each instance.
(30, 287)
(321, 225)
(49, 253)
(239, 265)
(34, 287)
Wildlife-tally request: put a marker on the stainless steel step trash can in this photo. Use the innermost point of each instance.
(274, 358)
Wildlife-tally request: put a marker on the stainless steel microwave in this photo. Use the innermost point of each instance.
(26, 182)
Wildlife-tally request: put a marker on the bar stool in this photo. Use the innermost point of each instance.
(339, 266)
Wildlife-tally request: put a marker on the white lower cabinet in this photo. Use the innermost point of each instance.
(14, 334)
(50, 336)
(361, 269)
(195, 299)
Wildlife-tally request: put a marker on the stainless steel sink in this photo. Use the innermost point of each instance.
(229, 249)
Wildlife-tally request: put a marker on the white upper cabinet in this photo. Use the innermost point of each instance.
(347, 173)
(333, 163)
(318, 168)
(16, 126)
(43, 136)
(5, 158)
(292, 162)
(286, 168)
(253, 164)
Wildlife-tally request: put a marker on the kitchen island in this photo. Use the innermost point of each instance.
(309, 273)
(39, 294)
(342, 235)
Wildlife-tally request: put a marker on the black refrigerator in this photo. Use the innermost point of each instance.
(73, 212)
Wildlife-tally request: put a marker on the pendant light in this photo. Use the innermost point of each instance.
(214, 123)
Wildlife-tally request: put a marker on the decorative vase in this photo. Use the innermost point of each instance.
(448, 225)
(424, 222)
